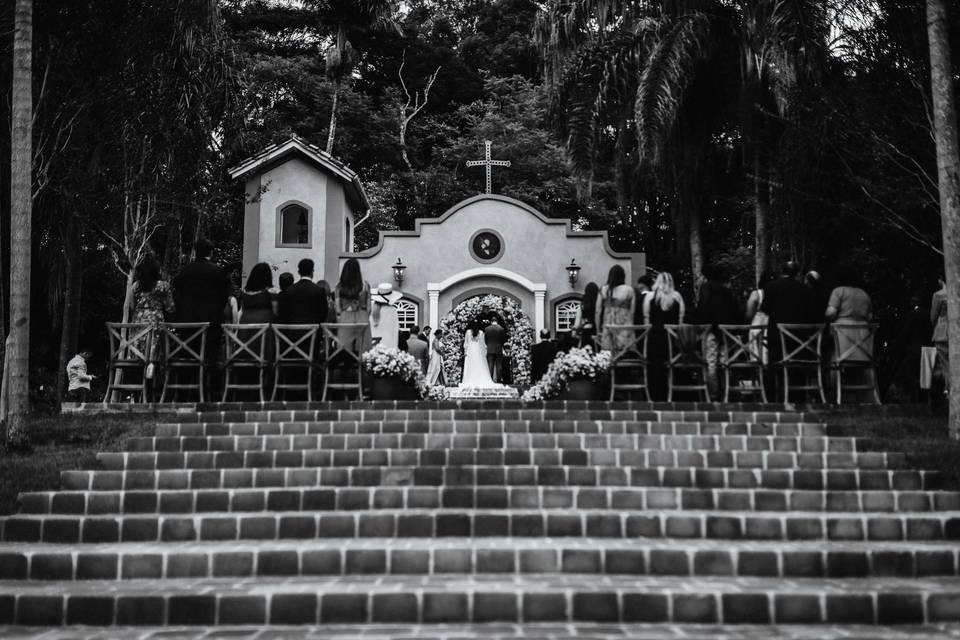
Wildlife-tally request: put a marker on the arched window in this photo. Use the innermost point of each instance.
(566, 315)
(294, 226)
(347, 235)
(408, 314)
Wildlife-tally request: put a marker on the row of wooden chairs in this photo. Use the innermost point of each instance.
(180, 350)
(744, 360)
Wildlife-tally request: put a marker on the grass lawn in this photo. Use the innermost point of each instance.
(916, 431)
(64, 442)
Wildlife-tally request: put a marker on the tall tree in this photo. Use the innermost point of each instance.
(342, 16)
(17, 361)
(948, 164)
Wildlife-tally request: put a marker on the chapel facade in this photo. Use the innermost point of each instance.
(302, 202)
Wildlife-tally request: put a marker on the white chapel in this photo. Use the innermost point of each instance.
(303, 203)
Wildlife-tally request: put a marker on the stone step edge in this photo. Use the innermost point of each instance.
(878, 460)
(231, 526)
(709, 601)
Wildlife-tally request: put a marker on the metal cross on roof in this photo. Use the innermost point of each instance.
(488, 163)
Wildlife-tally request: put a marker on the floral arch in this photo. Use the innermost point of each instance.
(516, 323)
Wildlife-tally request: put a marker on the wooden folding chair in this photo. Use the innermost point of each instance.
(131, 348)
(184, 344)
(801, 346)
(340, 356)
(857, 341)
(246, 348)
(295, 350)
(629, 363)
(741, 352)
(686, 356)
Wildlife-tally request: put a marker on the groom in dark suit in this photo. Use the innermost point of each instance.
(495, 337)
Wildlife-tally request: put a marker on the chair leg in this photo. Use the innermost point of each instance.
(226, 383)
(786, 385)
(201, 380)
(876, 387)
(359, 380)
(613, 382)
(326, 382)
(276, 382)
(763, 387)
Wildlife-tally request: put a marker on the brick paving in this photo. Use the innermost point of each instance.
(580, 520)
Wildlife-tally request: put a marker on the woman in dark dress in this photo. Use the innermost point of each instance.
(585, 323)
(662, 306)
(258, 301)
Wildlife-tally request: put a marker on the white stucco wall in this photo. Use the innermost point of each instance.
(292, 181)
(535, 249)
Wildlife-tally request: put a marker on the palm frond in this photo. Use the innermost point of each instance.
(664, 80)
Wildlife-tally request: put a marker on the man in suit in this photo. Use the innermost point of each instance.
(304, 302)
(200, 293)
(418, 348)
(495, 337)
(541, 355)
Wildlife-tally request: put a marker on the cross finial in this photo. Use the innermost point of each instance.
(488, 163)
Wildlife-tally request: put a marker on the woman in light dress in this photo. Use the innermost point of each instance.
(615, 306)
(435, 374)
(383, 316)
(476, 372)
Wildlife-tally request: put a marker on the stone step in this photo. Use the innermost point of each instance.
(307, 523)
(812, 444)
(454, 599)
(589, 456)
(421, 557)
(366, 414)
(624, 499)
(494, 427)
(512, 475)
(502, 631)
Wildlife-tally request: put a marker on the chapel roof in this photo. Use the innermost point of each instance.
(277, 153)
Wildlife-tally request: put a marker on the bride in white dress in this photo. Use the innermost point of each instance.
(476, 372)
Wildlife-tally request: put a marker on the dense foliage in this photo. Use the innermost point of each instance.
(685, 128)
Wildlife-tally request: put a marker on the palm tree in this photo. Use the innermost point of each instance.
(340, 17)
(17, 360)
(641, 66)
(948, 163)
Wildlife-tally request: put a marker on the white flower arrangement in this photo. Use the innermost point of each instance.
(435, 392)
(390, 362)
(578, 364)
(519, 330)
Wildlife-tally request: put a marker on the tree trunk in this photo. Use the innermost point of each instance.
(331, 135)
(948, 164)
(21, 162)
(71, 316)
(696, 249)
(761, 213)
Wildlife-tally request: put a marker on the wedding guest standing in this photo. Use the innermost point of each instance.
(383, 316)
(331, 303)
(541, 355)
(644, 285)
(663, 305)
(716, 306)
(200, 293)
(352, 296)
(304, 302)
(615, 306)
(435, 369)
(585, 322)
(258, 304)
(938, 317)
(418, 348)
(152, 297)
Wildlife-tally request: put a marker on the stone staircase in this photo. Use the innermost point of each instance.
(553, 520)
